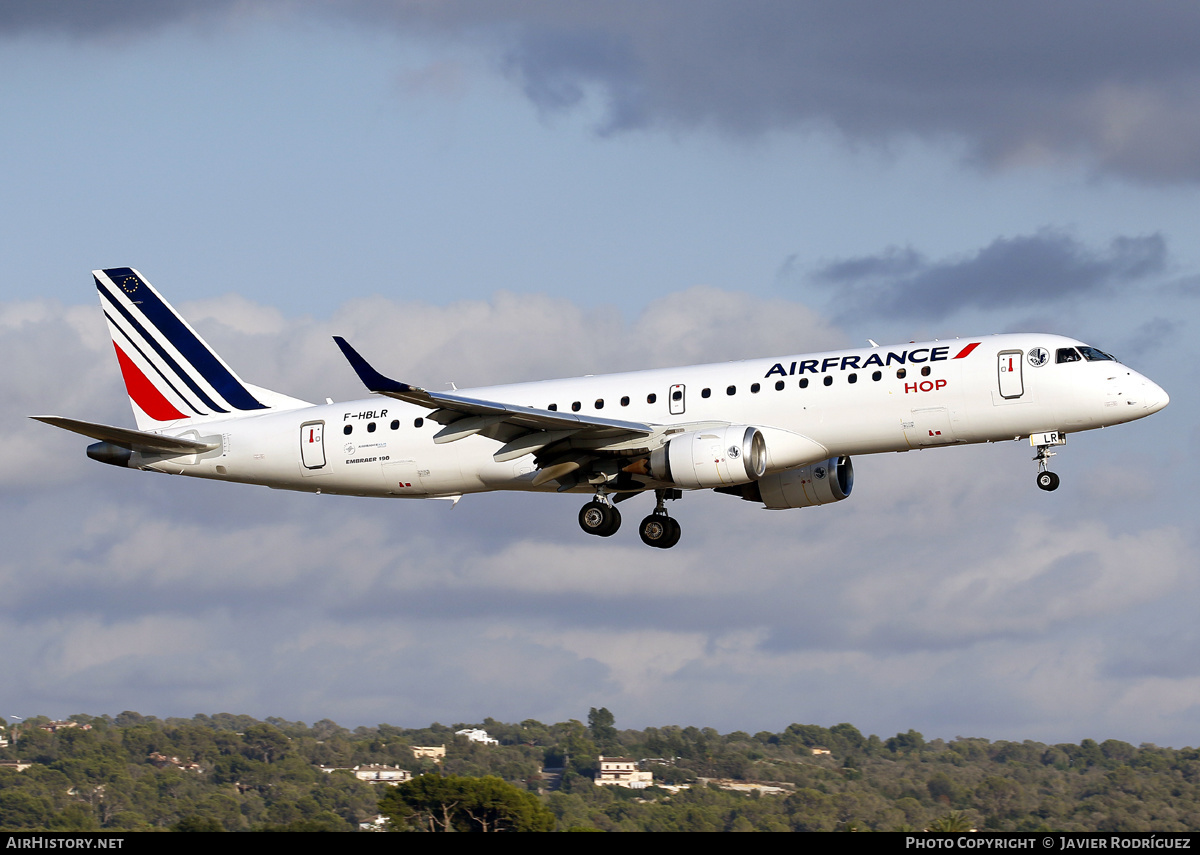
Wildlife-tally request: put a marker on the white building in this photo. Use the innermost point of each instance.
(622, 772)
(382, 774)
(391, 775)
(477, 735)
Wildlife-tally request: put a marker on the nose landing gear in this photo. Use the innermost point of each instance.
(1043, 442)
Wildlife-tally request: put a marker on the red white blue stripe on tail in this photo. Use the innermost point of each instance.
(170, 373)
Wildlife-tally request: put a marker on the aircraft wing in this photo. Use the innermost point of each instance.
(134, 440)
(524, 430)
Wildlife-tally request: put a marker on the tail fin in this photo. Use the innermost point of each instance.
(171, 374)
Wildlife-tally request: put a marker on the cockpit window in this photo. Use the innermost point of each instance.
(1093, 355)
(1067, 354)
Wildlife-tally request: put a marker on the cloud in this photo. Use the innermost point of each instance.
(1020, 84)
(509, 338)
(1044, 268)
(125, 17)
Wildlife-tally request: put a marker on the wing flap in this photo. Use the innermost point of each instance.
(529, 443)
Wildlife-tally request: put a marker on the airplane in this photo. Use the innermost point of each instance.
(779, 431)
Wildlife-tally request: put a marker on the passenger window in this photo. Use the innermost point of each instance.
(731, 390)
(416, 423)
(348, 429)
(625, 401)
(395, 425)
(576, 406)
(651, 398)
(901, 373)
(778, 385)
(876, 375)
(677, 395)
(803, 382)
(371, 427)
(853, 378)
(599, 403)
(1067, 354)
(754, 389)
(552, 408)
(924, 370)
(828, 379)
(704, 393)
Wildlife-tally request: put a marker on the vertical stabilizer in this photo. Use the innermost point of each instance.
(171, 374)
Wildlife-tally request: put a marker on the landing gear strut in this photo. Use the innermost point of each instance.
(600, 518)
(659, 529)
(1043, 442)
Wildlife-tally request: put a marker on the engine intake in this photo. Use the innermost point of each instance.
(716, 457)
(804, 487)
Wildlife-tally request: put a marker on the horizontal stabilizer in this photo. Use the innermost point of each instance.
(134, 440)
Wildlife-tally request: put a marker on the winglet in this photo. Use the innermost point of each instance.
(372, 379)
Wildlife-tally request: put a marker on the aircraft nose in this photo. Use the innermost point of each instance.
(1155, 396)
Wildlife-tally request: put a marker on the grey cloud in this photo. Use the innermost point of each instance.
(1030, 270)
(556, 69)
(1019, 83)
(93, 19)
(1152, 335)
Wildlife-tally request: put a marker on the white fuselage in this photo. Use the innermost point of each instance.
(850, 402)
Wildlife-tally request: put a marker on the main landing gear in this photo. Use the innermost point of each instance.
(659, 529)
(1043, 442)
(601, 518)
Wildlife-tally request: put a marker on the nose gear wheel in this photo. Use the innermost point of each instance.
(1047, 481)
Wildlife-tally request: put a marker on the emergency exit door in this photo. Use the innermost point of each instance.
(1009, 366)
(312, 445)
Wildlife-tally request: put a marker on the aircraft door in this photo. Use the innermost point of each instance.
(1009, 367)
(677, 399)
(312, 445)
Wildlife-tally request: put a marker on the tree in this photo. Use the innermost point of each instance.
(601, 724)
(905, 743)
(455, 803)
(953, 821)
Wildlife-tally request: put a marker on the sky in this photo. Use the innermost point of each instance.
(488, 193)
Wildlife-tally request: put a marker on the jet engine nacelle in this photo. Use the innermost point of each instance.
(715, 457)
(815, 484)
